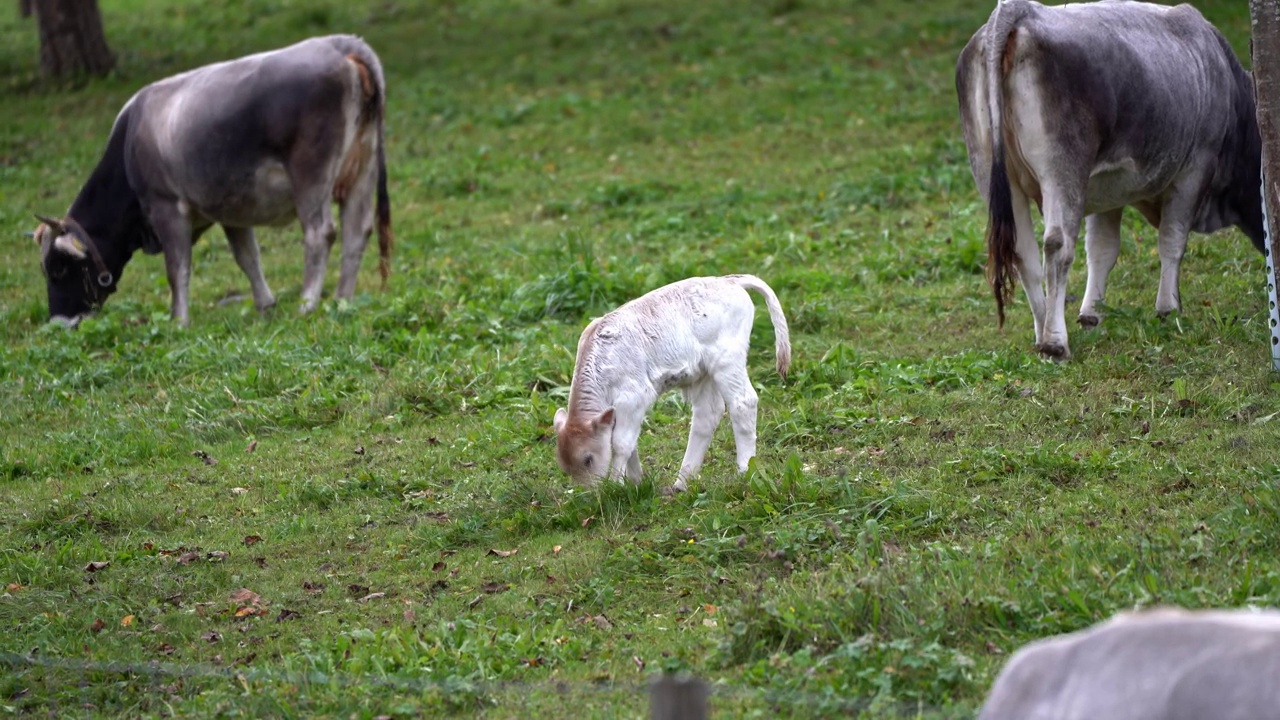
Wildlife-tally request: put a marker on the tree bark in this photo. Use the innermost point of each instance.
(1266, 86)
(72, 41)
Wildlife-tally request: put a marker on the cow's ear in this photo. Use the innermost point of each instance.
(69, 245)
(562, 417)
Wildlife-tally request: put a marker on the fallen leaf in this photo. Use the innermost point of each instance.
(97, 625)
(247, 610)
(373, 596)
(447, 553)
(503, 553)
(246, 596)
(468, 464)
(247, 659)
(587, 521)
(359, 450)
(96, 566)
(148, 546)
(313, 588)
(357, 589)
(14, 587)
(438, 566)
(533, 662)
(474, 602)
(495, 587)
(126, 621)
(639, 663)
(555, 550)
(253, 445)
(187, 558)
(260, 562)
(205, 457)
(217, 555)
(211, 637)
(602, 622)
(410, 615)
(165, 649)
(709, 608)
(709, 622)
(288, 615)
(438, 516)
(551, 579)
(252, 539)
(239, 491)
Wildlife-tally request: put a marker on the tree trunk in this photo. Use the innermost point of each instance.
(71, 38)
(1266, 91)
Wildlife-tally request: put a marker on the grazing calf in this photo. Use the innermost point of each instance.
(1164, 664)
(1086, 108)
(693, 334)
(261, 140)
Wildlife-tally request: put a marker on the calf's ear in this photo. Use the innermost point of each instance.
(562, 416)
(605, 419)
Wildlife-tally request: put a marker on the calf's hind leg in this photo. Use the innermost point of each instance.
(735, 387)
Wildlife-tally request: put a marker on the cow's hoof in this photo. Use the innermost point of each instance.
(1164, 314)
(1054, 351)
(1088, 321)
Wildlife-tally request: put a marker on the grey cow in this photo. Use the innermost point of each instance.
(1087, 108)
(1165, 664)
(260, 140)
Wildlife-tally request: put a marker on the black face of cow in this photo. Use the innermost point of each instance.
(76, 281)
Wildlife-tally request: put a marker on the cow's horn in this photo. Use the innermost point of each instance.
(53, 224)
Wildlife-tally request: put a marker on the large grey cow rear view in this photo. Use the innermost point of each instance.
(1087, 108)
(260, 140)
(1165, 664)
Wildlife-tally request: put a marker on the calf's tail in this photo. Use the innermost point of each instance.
(1002, 234)
(375, 111)
(781, 333)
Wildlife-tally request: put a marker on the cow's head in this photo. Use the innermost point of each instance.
(584, 446)
(77, 278)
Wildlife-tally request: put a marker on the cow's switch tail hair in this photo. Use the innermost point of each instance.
(1002, 234)
(781, 333)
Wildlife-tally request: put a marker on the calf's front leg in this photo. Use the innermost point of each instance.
(708, 408)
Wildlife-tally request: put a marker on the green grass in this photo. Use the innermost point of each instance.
(929, 494)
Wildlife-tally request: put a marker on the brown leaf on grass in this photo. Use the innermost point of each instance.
(97, 625)
(359, 450)
(373, 596)
(495, 587)
(474, 602)
(533, 662)
(249, 610)
(555, 550)
(212, 637)
(205, 457)
(551, 579)
(260, 562)
(247, 659)
(251, 539)
(503, 553)
(469, 464)
(14, 587)
(174, 599)
(355, 589)
(602, 622)
(148, 546)
(253, 445)
(447, 553)
(313, 588)
(587, 521)
(126, 621)
(438, 566)
(217, 555)
(187, 558)
(96, 566)
(165, 649)
(288, 615)
(639, 663)
(410, 615)
(239, 491)
(245, 596)
(437, 516)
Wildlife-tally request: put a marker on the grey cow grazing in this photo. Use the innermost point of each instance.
(1165, 664)
(260, 140)
(1087, 108)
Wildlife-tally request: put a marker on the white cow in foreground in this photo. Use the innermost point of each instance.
(692, 334)
(1164, 664)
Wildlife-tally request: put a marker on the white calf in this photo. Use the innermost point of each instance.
(1166, 664)
(692, 334)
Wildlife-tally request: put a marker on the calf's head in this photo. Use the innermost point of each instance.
(584, 446)
(76, 275)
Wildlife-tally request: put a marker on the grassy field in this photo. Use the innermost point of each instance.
(358, 513)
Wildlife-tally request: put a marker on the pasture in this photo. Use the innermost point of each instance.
(358, 513)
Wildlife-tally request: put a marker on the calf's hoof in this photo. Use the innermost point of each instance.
(679, 486)
(1088, 320)
(1057, 352)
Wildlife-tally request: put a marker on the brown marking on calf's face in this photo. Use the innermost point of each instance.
(1006, 58)
(583, 446)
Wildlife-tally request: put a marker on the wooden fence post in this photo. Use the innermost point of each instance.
(677, 697)
(1265, 16)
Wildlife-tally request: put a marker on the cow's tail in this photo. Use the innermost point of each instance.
(781, 332)
(1002, 233)
(375, 111)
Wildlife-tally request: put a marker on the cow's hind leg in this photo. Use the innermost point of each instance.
(357, 225)
(313, 168)
(1101, 248)
(1030, 271)
(735, 387)
(1062, 218)
(244, 246)
(708, 408)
